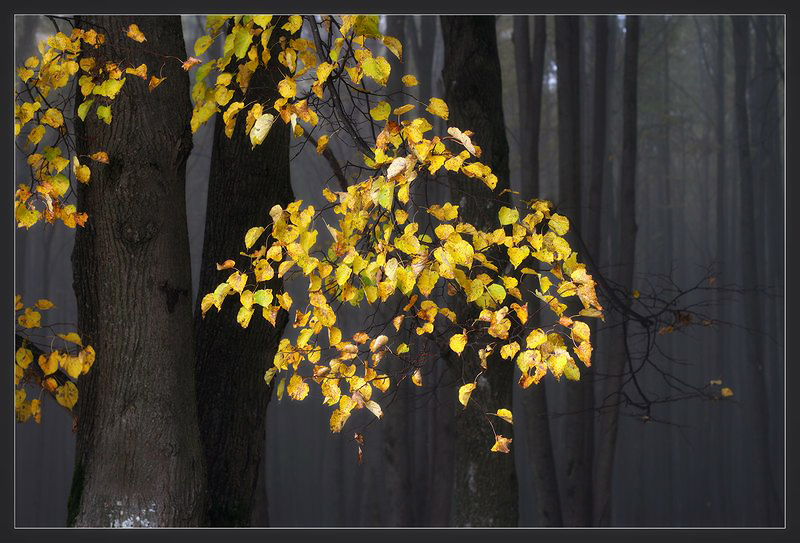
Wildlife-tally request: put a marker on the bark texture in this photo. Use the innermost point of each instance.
(232, 397)
(138, 459)
(485, 482)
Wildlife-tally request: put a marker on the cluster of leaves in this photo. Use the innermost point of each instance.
(378, 249)
(53, 373)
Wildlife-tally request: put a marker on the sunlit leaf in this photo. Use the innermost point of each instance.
(501, 444)
(438, 107)
(134, 33)
(464, 392)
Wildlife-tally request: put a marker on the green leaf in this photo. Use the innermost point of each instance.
(104, 113)
(263, 297)
(497, 292)
(83, 109)
(241, 41)
(202, 43)
(366, 25)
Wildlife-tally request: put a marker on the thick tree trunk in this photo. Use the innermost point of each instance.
(609, 415)
(758, 415)
(232, 398)
(138, 460)
(577, 491)
(485, 482)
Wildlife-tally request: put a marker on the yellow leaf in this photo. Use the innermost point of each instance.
(416, 378)
(237, 281)
(508, 351)
(67, 394)
(501, 444)
(505, 414)
(393, 45)
(464, 393)
(294, 24)
(322, 143)
(438, 107)
(244, 315)
(409, 80)
(24, 357)
(252, 236)
(558, 224)
(381, 111)
(140, 71)
(72, 337)
(377, 68)
(82, 172)
(297, 389)
(134, 33)
(31, 319)
(535, 339)
(154, 82)
(508, 216)
(338, 418)
(261, 129)
(580, 332)
(281, 387)
(287, 87)
(44, 304)
(36, 134)
(726, 392)
(72, 365)
(403, 109)
(53, 117)
(219, 294)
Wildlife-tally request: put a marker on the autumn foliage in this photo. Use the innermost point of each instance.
(372, 243)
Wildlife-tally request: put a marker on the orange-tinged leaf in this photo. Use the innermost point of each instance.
(501, 444)
(322, 143)
(44, 304)
(726, 392)
(190, 62)
(464, 392)
(49, 364)
(100, 156)
(226, 265)
(409, 80)
(134, 33)
(154, 82)
(416, 378)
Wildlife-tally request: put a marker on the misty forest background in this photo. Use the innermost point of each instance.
(697, 459)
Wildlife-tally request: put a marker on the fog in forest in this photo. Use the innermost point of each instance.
(708, 267)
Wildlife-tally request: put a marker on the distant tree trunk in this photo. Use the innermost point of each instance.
(758, 415)
(244, 184)
(577, 492)
(609, 416)
(529, 94)
(485, 482)
(666, 157)
(397, 451)
(138, 455)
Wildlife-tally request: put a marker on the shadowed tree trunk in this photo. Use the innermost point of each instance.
(138, 457)
(577, 491)
(244, 184)
(609, 416)
(758, 414)
(529, 94)
(485, 482)
(397, 451)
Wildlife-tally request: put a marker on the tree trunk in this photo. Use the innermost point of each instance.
(138, 454)
(609, 415)
(534, 402)
(485, 482)
(232, 398)
(397, 451)
(577, 491)
(758, 415)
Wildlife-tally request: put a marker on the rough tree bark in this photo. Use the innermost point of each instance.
(485, 482)
(138, 457)
(609, 416)
(232, 399)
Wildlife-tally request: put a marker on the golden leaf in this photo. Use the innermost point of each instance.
(501, 444)
(134, 33)
(506, 415)
(409, 80)
(438, 107)
(457, 344)
(465, 392)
